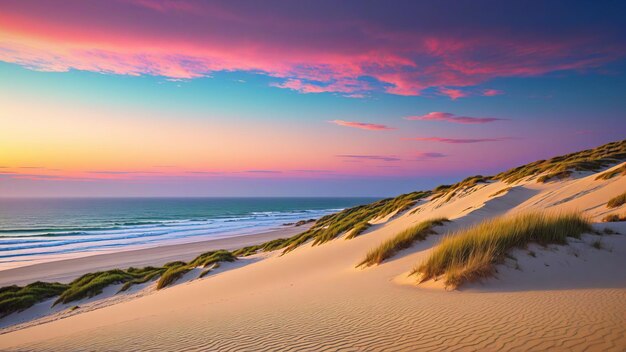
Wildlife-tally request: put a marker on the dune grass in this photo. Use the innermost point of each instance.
(15, 298)
(176, 270)
(504, 190)
(612, 173)
(616, 201)
(143, 275)
(358, 229)
(452, 190)
(92, 284)
(172, 275)
(331, 226)
(470, 254)
(206, 271)
(212, 257)
(264, 247)
(401, 241)
(587, 160)
(559, 175)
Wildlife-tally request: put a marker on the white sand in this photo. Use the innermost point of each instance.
(565, 298)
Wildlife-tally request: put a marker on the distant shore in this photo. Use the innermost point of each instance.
(66, 270)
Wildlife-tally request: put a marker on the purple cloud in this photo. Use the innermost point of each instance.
(429, 155)
(449, 117)
(458, 140)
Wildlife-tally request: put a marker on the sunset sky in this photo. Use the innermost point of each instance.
(291, 98)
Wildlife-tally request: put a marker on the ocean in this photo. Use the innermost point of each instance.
(32, 229)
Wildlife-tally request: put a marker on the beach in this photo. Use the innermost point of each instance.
(66, 270)
(314, 298)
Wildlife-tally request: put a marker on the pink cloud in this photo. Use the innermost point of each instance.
(446, 116)
(362, 125)
(347, 86)
(492, 92)
(458, 140)
(357, 158)
(349, 53)
(454, 94)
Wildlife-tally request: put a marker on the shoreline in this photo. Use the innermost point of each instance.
(65, 270)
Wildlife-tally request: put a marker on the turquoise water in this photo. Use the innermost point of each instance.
(32, 229)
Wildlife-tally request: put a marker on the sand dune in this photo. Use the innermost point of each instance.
(563, 298)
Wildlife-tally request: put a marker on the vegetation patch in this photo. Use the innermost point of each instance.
(504, 190)
(149, 274)
(331, 226)
(616, 201)
(212, 257)
(92, 284)
(172, 274)
(587, 160)
(15, 298)
(401, 241)
(264, 247)
(452, 190)
(470, 254)
(358, 229)
(206, 271)
(558, 175)
(612, 173)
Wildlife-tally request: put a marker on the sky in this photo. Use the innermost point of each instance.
(298, 98)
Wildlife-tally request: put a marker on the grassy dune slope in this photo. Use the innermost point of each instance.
(402, 240)
(471, 253)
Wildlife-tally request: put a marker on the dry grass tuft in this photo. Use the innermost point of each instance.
(400, 241)
(616, 201)
(610, 174)
(469, 254)
(613, 218)
(358, 229)
(559, 175)
(452, 190)
(504, 190)
(597, 244)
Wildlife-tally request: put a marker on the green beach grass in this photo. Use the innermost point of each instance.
(400, 241)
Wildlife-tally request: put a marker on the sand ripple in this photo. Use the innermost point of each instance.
(571, 320)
